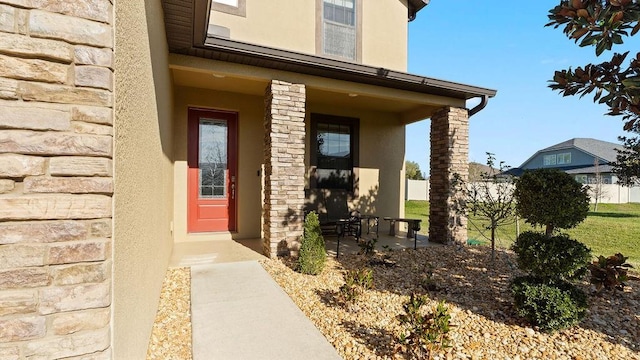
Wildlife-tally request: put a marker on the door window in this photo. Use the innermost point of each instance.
(212, 158)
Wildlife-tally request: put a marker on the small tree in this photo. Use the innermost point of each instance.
(489, 196)
(596, 185)
(412, 171)
(552, 199)
(312, 254)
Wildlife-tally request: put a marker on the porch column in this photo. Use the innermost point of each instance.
(283, 167)
(449, 155)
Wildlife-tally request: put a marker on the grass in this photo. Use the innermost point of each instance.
(614, 228)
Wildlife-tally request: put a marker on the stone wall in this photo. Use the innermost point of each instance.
(449, 155)
(56, 144)
(284, 167)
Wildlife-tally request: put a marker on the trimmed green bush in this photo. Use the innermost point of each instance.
(551, 198)
(312, 255)
(558, 257)
(551, 305)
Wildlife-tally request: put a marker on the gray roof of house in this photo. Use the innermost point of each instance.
(597, 148)
(602, 149)
(603, 169)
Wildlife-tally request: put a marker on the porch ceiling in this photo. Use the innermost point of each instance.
(356, 97)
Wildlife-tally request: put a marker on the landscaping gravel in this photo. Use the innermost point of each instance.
(171, 333)
(476, 291)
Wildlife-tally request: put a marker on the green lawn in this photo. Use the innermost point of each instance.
(613, 228)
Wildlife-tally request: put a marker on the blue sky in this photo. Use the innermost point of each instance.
(505, 46)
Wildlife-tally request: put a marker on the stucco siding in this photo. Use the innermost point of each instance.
(143, 173)
(383, 38)
(384, 34)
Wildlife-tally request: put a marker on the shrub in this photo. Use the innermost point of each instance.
(312, 255)
(425, 333)
(367, 245)
(355, 283)
(549, 305)
(551, 198)
(558, 257)
(609, 273)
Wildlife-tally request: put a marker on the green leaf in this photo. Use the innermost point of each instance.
(601, 47)
(631, 83)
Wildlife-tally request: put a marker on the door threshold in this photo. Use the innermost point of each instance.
(210, 236)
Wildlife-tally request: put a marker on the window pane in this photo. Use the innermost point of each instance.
(549, 160)
(334, 165)
(212, 160)
(333, 179)
(334, 141)
(339, 34)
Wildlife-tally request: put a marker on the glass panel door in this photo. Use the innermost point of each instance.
(212, 159)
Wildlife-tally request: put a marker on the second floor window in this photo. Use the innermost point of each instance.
(339, 34)
(564, 158)
(549, 160)
(556, 159)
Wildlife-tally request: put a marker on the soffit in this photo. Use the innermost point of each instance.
(315, 95)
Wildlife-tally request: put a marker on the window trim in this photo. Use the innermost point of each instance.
(354, 124)
(240, 10)
(320, 32)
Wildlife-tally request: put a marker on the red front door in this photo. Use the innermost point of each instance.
(212, 176)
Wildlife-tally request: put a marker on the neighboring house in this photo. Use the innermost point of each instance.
(126, 126)
(583, 158)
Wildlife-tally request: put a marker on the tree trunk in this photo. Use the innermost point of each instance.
(549, 230)
(493, 241)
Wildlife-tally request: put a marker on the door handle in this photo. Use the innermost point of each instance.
(233, 191)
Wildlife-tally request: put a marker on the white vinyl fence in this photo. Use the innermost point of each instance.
(611, 193)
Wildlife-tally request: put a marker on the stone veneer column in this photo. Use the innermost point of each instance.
(56, 140)
(449, 155)
(284, 167)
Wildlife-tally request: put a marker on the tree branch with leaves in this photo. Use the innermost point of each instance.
(603, 24)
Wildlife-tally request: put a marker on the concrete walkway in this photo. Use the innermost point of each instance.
(240, 312)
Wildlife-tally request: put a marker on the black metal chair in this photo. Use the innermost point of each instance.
(351, 226)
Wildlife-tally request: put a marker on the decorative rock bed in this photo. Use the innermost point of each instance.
(480, 302)
(476, 291)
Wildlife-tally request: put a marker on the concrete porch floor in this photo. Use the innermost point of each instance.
(203, 252)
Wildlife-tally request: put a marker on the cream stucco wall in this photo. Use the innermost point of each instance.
(380, 176)
(250, 111)
(383, 38)
(143, 196)
(385, 34)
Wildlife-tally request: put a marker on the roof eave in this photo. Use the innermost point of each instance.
(341, 70)
(414, 6)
